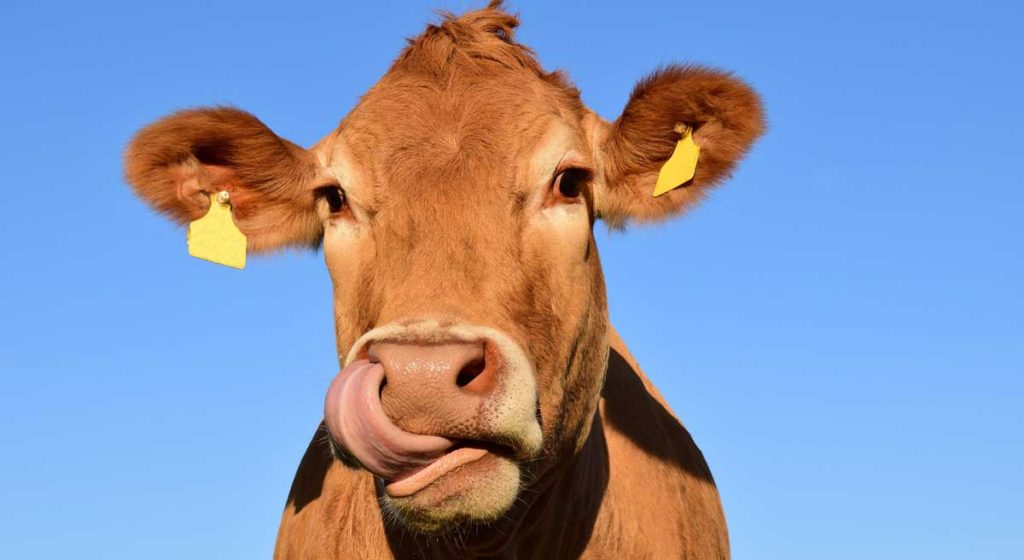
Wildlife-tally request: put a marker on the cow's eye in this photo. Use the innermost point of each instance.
(569, 183)
(335, 198)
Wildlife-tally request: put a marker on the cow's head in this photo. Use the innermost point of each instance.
(455, 208)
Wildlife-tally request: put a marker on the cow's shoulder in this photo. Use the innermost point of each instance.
(660, 491)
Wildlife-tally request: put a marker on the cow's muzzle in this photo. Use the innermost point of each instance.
(416, 403)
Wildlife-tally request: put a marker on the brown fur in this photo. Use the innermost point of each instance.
(447, 164)
(724, 114)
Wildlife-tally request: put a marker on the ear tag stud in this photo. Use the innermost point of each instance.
(681, 166)
(215, 237)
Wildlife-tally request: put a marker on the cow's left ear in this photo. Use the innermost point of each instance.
(724, 115)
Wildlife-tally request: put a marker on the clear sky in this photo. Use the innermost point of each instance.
(840, 326)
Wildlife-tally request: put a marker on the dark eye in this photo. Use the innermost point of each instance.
(569, 183)
(335, 198)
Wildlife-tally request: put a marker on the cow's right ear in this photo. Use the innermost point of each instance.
(175, 164)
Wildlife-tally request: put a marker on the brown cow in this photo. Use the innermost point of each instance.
(485, 407)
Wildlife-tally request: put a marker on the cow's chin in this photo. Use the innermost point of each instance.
(478, 492)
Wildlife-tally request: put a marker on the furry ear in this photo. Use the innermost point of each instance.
(724, 114)
(175, 163)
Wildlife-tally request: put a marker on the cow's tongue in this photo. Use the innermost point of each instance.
(356, 420)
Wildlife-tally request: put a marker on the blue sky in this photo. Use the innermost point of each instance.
(840, 326)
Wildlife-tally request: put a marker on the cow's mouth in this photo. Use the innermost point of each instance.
(454, 431)
(406, 462)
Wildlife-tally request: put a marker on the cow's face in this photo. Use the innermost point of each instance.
(455, 207)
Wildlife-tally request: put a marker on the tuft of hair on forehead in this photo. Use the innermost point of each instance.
(477, 41)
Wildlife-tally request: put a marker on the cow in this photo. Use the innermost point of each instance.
(484, 407)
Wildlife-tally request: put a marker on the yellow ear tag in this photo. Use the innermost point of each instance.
(215, 237)
(681, 166)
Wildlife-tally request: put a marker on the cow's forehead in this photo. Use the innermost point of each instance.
(418, 135)
(463, 107)
(475, 111)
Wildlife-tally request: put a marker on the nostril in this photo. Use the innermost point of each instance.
(470, 372)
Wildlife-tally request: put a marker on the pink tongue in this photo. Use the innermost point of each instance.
(357, 422)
